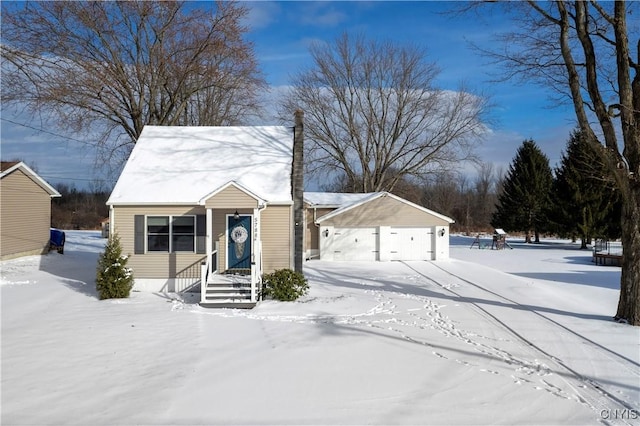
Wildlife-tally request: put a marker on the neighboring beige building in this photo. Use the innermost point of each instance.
(208, 205)
(25, 211)
(376, 226)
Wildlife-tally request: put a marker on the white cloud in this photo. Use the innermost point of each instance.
(261, 14)
(320, 14)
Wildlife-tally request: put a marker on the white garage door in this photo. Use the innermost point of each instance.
(411, 243)
(355, 244)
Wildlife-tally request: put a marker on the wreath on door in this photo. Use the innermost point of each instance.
(239, 236)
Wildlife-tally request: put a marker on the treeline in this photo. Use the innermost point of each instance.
(78, 208)
(471, 201)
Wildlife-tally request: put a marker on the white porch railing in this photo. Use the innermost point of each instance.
(212, 294)
(204, 276)
(256, 269)
(204, 273)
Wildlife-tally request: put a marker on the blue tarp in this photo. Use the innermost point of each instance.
(56, 240)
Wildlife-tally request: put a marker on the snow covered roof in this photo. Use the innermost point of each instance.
(374, 195)
(182, 165)
(334, 199)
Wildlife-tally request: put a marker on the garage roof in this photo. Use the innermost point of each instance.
(375, 196)
(335, 199)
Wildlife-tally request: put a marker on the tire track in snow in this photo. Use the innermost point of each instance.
(436, 321)
(633, 369)
(586, 383)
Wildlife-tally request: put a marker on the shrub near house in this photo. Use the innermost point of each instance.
(285, 285)
(114, 280)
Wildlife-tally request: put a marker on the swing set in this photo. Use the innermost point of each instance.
(499, 241)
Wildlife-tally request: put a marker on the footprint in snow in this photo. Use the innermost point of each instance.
(555, 390)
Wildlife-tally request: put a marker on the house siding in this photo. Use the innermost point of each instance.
(232, 198)
(276, 241)
(25, 216)
(277, 235)
(384, 211)
(311, 230)
(185, 266)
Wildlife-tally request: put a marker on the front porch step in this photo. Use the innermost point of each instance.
(227, 296)
(228, 304)
(226, 286)
(232, 290)
(228, 291)
(229, 279)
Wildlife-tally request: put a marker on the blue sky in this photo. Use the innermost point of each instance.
(282, 32)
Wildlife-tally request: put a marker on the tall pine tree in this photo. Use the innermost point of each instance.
(523, 204)
(585, 202)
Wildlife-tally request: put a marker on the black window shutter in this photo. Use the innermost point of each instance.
(201, 233)
(138, 230)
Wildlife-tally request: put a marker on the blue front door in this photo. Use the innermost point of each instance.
(239, 242)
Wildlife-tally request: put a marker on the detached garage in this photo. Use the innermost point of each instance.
(378, 226)
(25, 211)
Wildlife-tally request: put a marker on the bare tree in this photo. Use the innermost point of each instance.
(442, 193)
(463, 211)
(118, 66)
(373, 114)
(484, 194)
(582, 50)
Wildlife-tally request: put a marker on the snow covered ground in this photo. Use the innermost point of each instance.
(521, 336)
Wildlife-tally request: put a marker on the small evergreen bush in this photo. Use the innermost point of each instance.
(113, 279)
(284, 285)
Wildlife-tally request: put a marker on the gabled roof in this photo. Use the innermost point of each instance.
(236, 185)
(9, 167)
(183, 165)
(334, 199)
(374, 196)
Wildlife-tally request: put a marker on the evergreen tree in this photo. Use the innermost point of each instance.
(586, 204)
(524, 203)
(114, 280)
